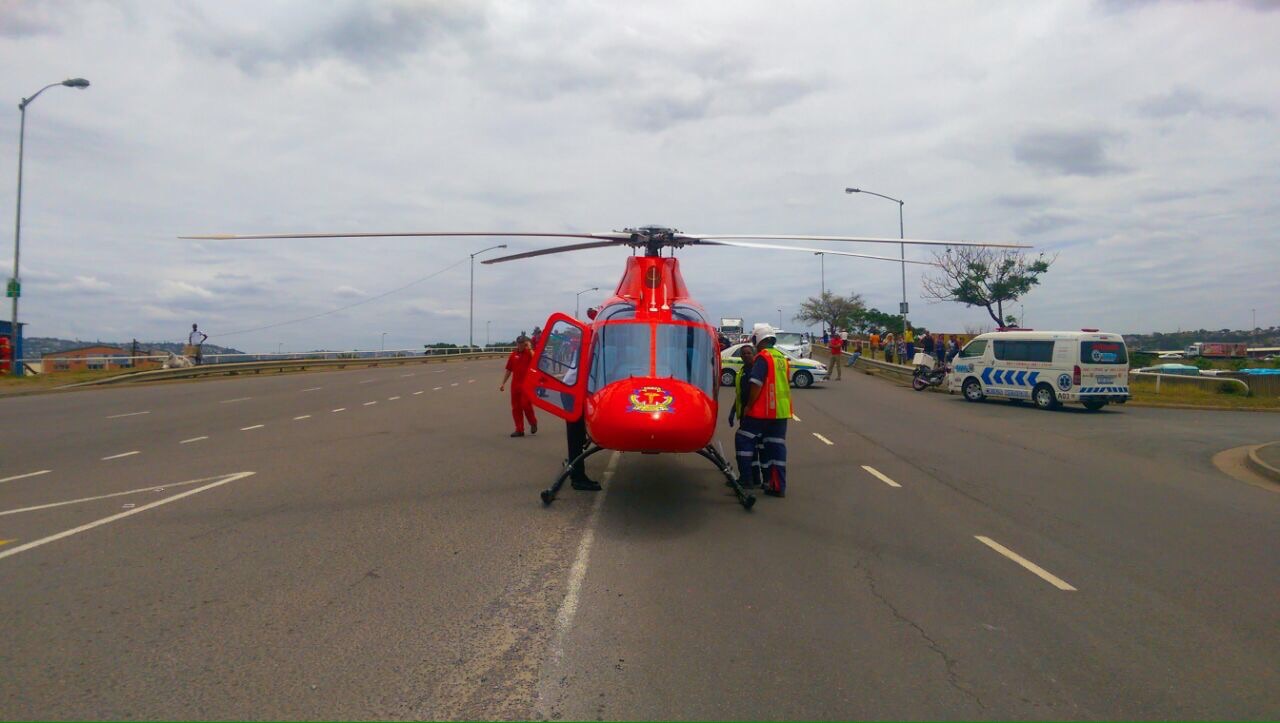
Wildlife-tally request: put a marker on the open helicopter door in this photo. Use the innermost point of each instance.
(558, 381)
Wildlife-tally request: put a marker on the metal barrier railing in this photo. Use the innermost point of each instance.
(125, 361)
(1175, 379)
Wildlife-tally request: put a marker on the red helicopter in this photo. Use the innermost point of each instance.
(645, 372)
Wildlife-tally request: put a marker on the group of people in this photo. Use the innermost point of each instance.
(902, 349)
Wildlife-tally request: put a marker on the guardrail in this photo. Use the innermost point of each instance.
(1175, 379)
(295, 364)
(865, 363)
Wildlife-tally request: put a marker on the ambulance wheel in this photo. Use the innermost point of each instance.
(727, 376)
(1044, 397)
(972, 390)
(802, 379)
(1094, 405)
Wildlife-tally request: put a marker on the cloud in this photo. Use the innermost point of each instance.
(1042, 223)
(1072, 153)
(348, 292)
(172, 290)
(1182, 102)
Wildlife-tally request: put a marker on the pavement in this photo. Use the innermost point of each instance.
(370, 544)
(1266, 460)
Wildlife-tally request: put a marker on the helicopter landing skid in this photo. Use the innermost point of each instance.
(711, 453)
(549, 493)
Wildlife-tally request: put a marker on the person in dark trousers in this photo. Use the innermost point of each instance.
(196, 340)
(518, 365)
(765, 414)
(748, 355)
(575, 431)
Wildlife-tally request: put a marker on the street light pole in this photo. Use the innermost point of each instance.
(486, 334)
(384, 341)
(471, 315)
(80, 83)
(577, 305)
(779, 318)
(902, 246)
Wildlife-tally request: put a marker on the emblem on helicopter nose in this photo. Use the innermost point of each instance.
(651, 399)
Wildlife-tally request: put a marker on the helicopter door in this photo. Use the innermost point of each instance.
(558, 382)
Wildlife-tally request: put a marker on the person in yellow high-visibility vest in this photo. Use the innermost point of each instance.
(765, 414)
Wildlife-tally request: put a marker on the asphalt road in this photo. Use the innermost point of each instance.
(241, 548)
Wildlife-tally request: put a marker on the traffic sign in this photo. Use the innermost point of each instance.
(902, 307)
(13, 290)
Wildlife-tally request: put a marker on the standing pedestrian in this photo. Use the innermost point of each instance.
(889, 347)
(765, 414)
(517, 370)
(195, 344)
(875, 342)
(836, 347)
(908, 346)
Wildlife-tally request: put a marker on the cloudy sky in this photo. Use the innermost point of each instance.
(1139, 141)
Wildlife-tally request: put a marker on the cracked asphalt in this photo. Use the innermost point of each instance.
(392, 560)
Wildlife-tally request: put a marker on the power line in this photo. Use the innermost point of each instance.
(415, 282)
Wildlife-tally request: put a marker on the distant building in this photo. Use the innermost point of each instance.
(94, 358)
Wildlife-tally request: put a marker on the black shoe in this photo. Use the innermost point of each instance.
(586, 484)
(517, 434)
(749, 484)
(533, 429)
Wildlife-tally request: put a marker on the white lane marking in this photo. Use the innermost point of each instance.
(24, 476)
(405, 376)
(824, 439)
(369, 404)
(1042, 573)
(122, 454)
(438, 371)
(796, 417)
(237, 399)
(880, 476)
(121, 515)
(366, 381)
(252, 426)
(156, 488)
(417, 393)
(193, 439)
(392, 399)
(573, 589)
(471, 381)
(454, 384)
(129, 414)
(301, 417)
(339, 409)
(313, 389)
(436, 389)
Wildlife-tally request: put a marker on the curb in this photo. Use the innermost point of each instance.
(1257, 465)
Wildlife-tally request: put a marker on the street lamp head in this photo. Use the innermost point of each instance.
(76, 83)
(853, 190)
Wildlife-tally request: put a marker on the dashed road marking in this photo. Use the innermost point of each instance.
(126, 513)
(366, 381)
(417, 393)
(24, 476)
(436, 389)
(300, 417)
(454, 384)
(392, 399)
(252, 426)
(880, 476)
(824, 439)
(796, 417)
(128, 414)
(193, 439)
(339, 409)
(237, 399)
(122, 454)
(405, 376)
(471, 381)
(1035, 569)
(313, 389)
(369, 404)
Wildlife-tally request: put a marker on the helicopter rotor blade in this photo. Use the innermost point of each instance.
(610, 235)
(745, 245)
(858, 239)
(555, 250)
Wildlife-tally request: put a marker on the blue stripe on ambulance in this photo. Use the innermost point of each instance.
(1009, 377)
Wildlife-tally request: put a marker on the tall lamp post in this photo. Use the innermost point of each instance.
(471, 316)
(577, 305)
(903, 249)
(822, 261)
(384, 341)
(15, 284)
(486, 334)
(779, 318)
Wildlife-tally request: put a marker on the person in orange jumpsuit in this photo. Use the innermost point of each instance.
(518, 364)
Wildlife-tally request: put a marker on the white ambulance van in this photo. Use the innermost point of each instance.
(1046, 367)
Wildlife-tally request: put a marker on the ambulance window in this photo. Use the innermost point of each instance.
(974, 348)
(620, 351)
(687, 353)
(1023, 350)
(1103, 352)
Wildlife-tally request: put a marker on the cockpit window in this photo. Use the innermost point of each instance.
(620, 351)
(688, 353)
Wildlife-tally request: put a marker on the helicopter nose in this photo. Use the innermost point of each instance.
(651, 415)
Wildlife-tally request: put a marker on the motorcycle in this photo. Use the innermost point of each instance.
(928, 373)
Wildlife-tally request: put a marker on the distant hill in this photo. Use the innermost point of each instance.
(1183, 339)
(38, 346)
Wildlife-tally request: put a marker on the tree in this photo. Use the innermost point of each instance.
(986, 277)
(832, 311)
(874, 319)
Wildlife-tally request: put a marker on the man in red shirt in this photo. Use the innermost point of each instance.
(518, 365)
(836, 347)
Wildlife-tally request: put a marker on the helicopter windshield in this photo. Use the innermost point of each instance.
(620, 349)
(687, 352)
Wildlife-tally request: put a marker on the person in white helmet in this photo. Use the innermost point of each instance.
(765, 413)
